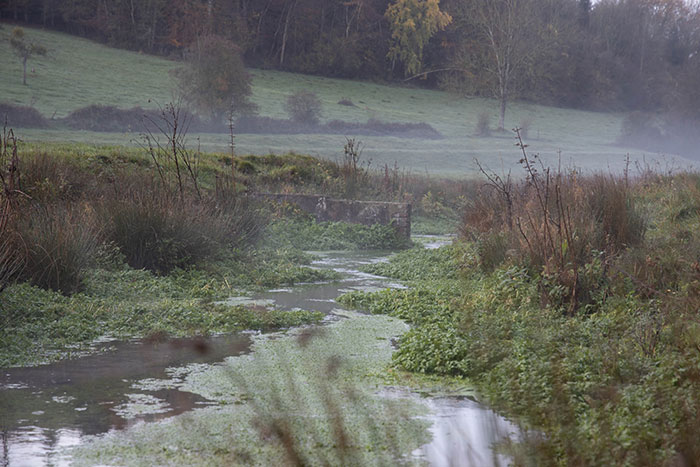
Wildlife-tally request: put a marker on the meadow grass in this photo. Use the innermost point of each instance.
(78, 72)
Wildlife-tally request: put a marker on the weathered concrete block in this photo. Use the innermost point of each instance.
(355, 212)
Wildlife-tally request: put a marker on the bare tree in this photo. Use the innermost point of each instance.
(508, 27)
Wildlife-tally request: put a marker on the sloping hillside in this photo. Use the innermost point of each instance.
(79, 72)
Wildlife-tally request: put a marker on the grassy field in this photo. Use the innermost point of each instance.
(78, 72)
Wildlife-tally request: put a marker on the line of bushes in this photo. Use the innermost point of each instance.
(107, 118)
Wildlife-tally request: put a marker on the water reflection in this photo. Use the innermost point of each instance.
(44, 409)
(464, 433)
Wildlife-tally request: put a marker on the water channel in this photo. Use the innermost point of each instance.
(45, 410)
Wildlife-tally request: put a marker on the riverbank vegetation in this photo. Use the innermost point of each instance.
(575, 312)
(123, 242)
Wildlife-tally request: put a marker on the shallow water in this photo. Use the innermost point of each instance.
(464, 433)
(48, 408)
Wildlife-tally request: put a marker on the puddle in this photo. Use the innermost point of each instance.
(432, 242)
(321, 296)
(464, 433)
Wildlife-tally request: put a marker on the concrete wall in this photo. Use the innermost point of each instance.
(354, 212)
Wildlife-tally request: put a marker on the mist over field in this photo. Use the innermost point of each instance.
(587, 83)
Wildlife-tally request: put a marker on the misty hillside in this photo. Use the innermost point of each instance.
(77, 73)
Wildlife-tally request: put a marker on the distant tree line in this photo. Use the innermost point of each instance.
(611, 55)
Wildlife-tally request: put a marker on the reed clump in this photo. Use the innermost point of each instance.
(562, 225)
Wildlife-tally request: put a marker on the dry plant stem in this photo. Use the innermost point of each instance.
(11, 261)
(232, 127)
(174, 152)
(504, 186)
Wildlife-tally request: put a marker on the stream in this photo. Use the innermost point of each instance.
(46, 409)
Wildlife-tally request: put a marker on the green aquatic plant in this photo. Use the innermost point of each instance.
(307, 398)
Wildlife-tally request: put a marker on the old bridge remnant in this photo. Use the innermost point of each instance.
(324, 208)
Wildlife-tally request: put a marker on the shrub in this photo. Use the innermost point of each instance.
(238, 220)
(304, 107)
(21, 116)
(58, 244)
(113, 119)
(556, 223)
(267, 125)
(159, 232)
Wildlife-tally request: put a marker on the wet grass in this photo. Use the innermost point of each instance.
(39, 326)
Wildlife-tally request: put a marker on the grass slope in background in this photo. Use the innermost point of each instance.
(78, 72)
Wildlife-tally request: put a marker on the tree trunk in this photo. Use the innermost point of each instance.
(286, 31)
(502, 114)
(24, 66)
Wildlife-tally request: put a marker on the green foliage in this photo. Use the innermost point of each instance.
(282, 266)
(214, 79)
(413, 23)
(432, 346)
(304, 107)
(38, 326)
(617, 384)
(423, 264)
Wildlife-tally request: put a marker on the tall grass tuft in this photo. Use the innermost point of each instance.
(11, 260)
(159, 231)
(58, 244)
